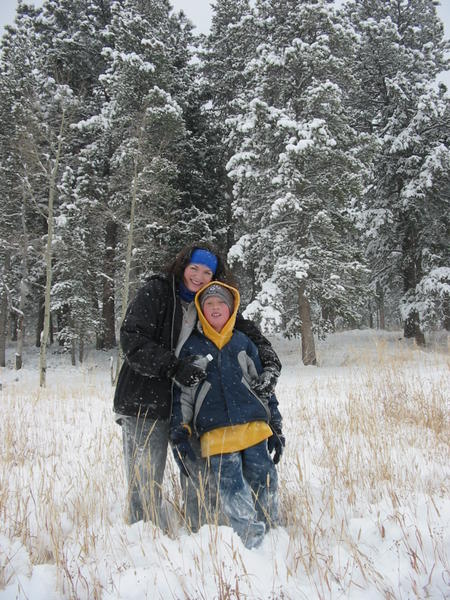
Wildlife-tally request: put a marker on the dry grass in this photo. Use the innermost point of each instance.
(370, 447)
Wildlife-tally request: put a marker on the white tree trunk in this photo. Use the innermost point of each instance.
(23, 290)
(3, 322)
(128, 257)
(48, 259)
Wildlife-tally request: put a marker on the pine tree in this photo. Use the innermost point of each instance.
(24, 172)
(193, 214)
(298, 167)
(400, 51)
(224, 55)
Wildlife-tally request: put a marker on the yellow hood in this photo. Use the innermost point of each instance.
(223, 337)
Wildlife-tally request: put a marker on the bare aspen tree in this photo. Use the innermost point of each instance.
(23, 289)
(128, 256)
(3, 313)
(126, 283)
(48, 257)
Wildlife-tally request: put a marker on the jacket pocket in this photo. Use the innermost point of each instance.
(264, 404)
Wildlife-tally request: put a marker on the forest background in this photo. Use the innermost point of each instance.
(310, 142)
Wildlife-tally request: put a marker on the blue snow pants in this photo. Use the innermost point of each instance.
(247, 485)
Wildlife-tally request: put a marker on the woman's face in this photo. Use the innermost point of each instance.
(195, 276)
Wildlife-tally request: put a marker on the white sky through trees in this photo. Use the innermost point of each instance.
(200, 14)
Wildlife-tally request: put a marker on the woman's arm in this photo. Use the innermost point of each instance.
(268, 356)
(253, 362)
(139, 336)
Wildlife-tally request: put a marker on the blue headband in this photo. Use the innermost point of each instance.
(204, 257)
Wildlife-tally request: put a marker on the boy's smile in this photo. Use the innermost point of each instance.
(216, 312)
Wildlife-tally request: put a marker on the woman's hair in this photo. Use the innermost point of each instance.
(183, 258)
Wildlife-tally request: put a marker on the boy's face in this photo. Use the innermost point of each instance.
(216, 312)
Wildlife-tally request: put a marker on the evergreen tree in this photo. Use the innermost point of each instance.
(225, 53)
(194, 213)
(24, 165)
(400, 51)
(297, 170)
(73, 31)
(143, 124)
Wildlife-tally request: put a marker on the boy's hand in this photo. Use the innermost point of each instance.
(264, 386)
(182, 449)
(276, 443)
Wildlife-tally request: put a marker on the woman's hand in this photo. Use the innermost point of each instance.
(264, 386)
(186, 373)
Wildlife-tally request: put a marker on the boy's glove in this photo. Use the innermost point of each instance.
(264, 386)
(276, 442)
(182, 448)
(187, 374)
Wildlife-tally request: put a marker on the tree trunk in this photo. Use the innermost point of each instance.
(128, 257)
(382, 316)
(446, 310)
(40, 321)
(4, 311)
(20, 334)
(73, 353)
(108, 339)
(13, 325)
(411, 328)
(308, 346)
(380, 307)
(81, 348)
(3, 325)
(23, 287)
(412, 274)
(130, 242)
(48, 260)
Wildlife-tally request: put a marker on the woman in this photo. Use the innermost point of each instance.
(157, 323)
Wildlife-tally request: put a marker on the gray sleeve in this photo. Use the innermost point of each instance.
(186, 400)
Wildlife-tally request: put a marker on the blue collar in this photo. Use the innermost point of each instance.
(186, 294)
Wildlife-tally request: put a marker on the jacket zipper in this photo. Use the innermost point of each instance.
(219, 364)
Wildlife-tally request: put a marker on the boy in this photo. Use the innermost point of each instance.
(232, 422)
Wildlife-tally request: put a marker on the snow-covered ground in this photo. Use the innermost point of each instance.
(364, 486)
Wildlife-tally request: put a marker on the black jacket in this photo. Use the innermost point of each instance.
(148, 336)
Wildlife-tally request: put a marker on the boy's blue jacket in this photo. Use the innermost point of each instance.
(225, 397)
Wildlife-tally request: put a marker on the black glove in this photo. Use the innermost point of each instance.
(186, 373)
(276, 442)
(181, 448)
(264, 386)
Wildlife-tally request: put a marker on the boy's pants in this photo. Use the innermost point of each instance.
(145, 451)
(248, 490)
